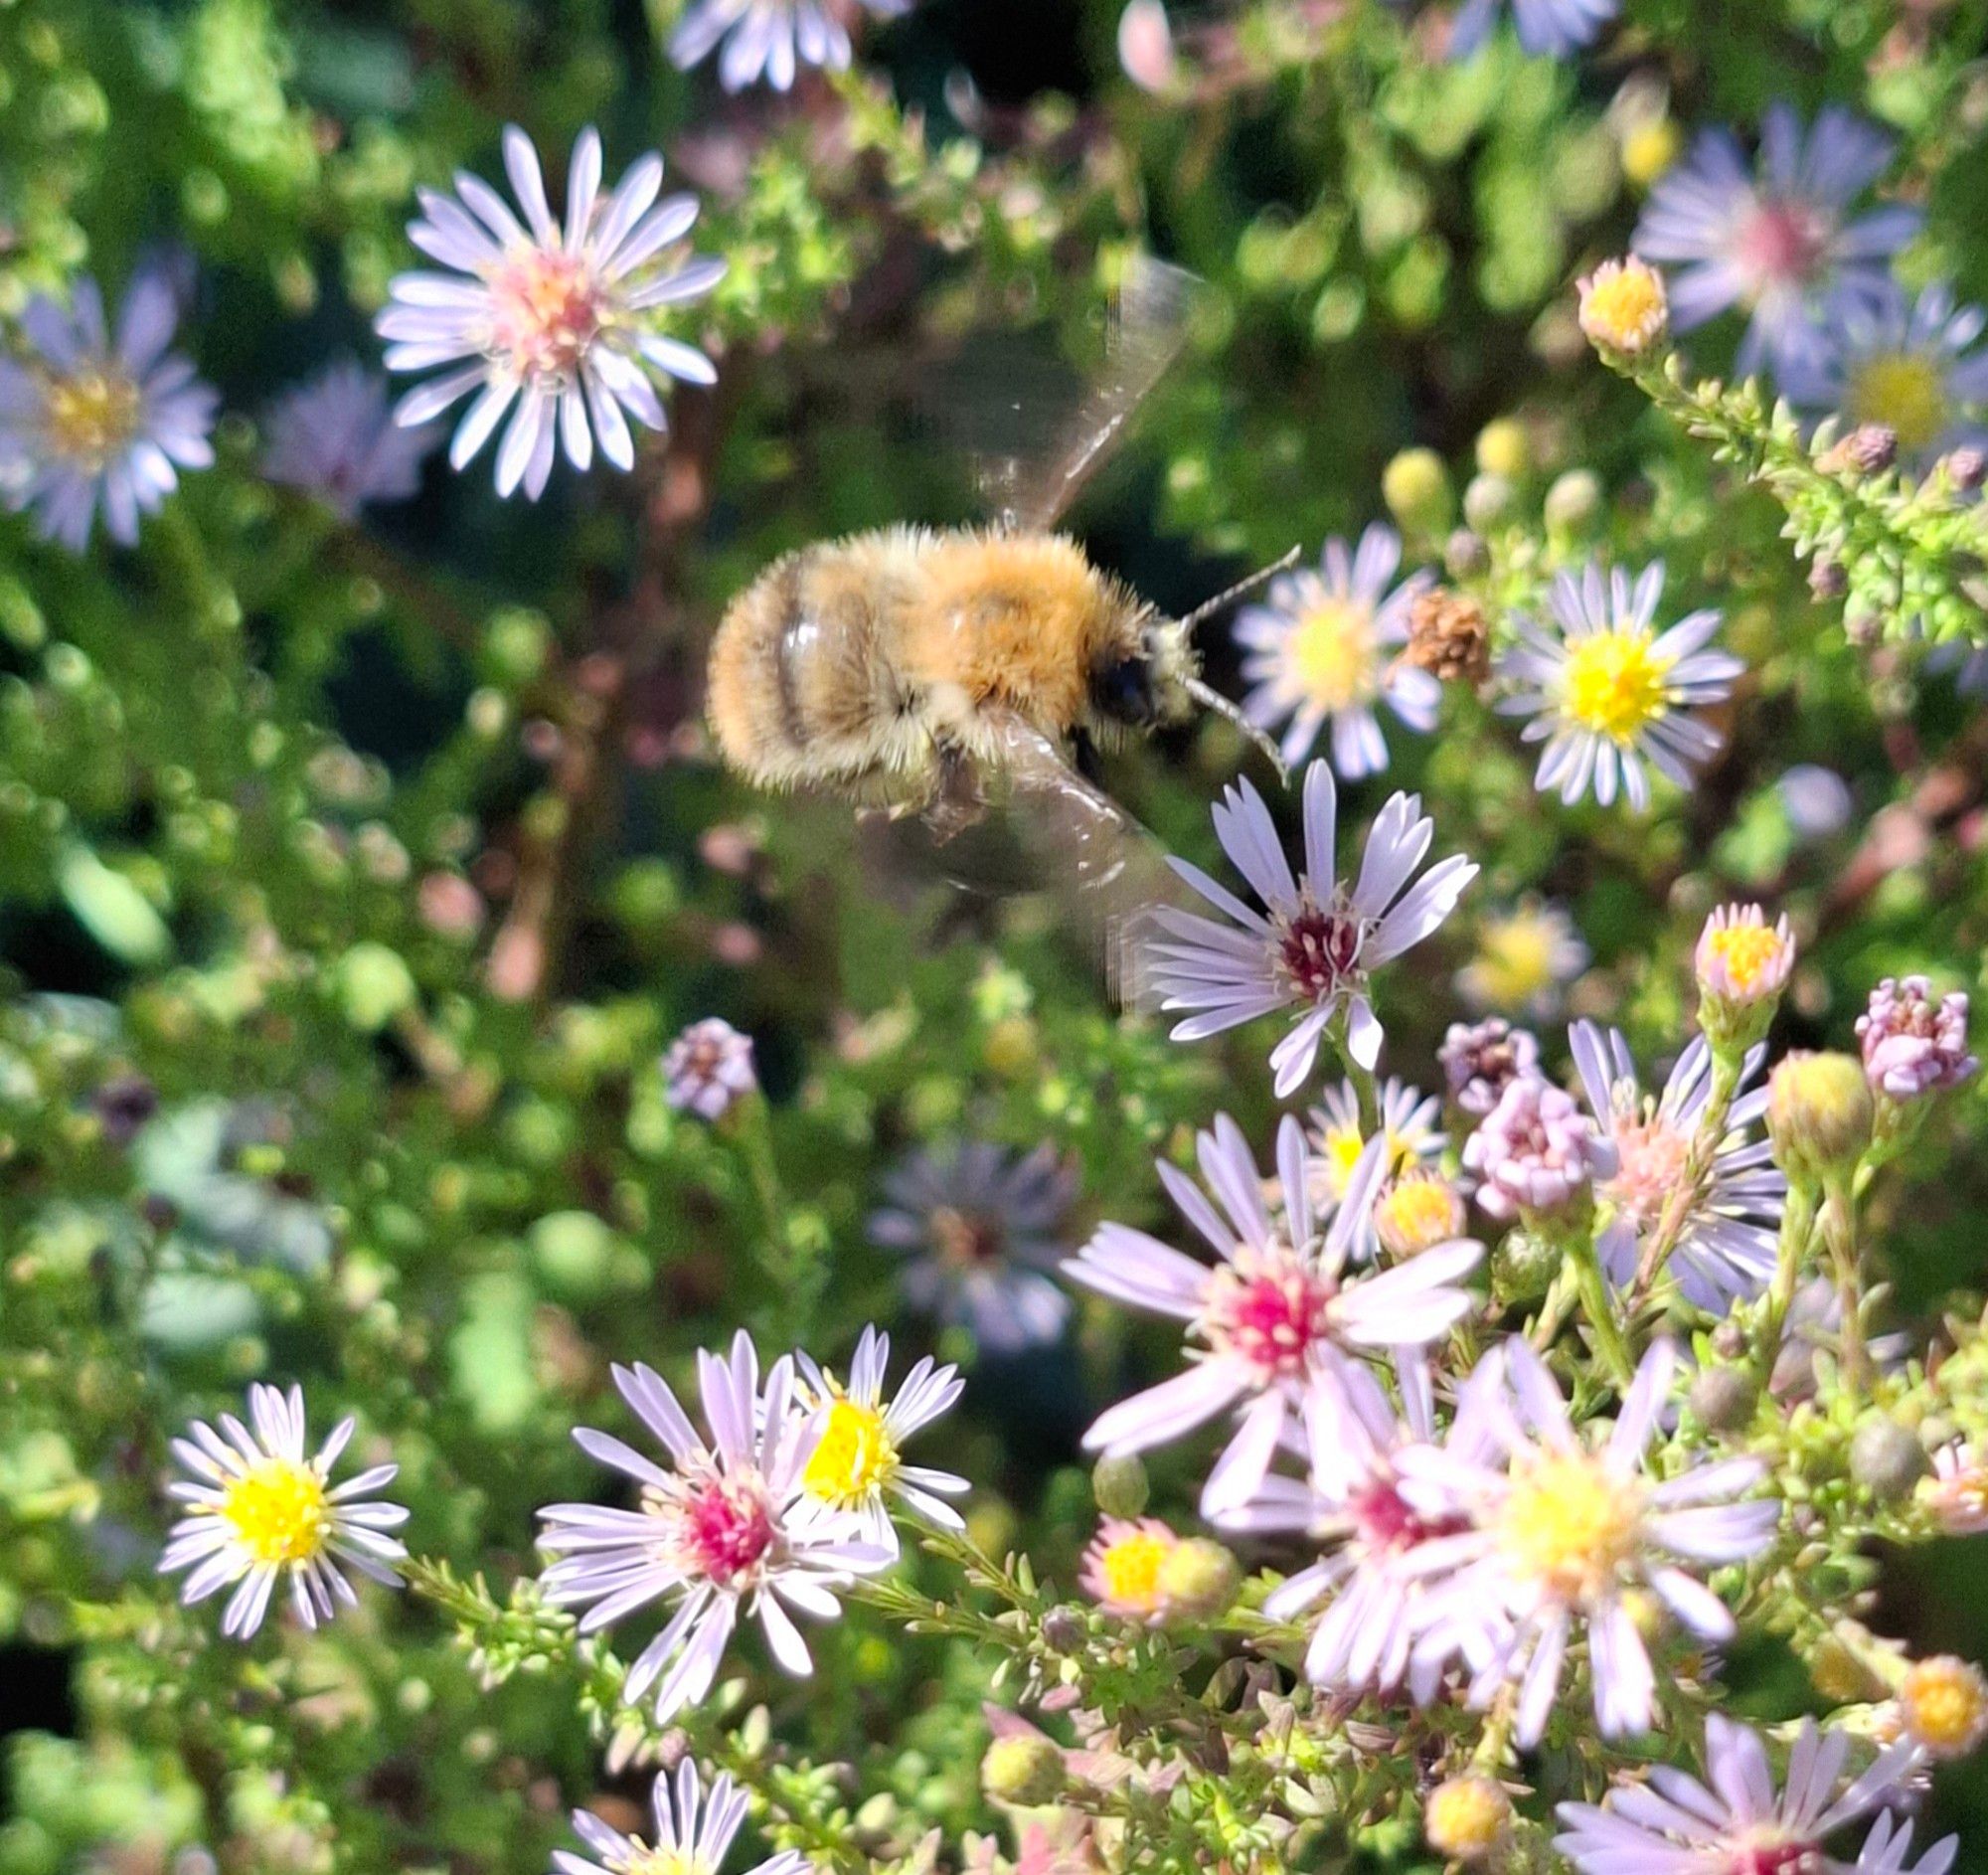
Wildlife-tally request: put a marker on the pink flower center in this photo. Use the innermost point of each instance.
(546, 308)
(966, 1241)
(726, 1530)
(1268, 1314)
(1653, 1155)
(1782, 1858)
(1318, 949)
(1385, 1520)
(1781, 243)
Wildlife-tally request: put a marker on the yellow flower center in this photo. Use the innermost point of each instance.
(1332, 654)
(1649, 151)
(648, 1861)
(856, 1457)
(1416, 1215)
(1130, 1569)
(1944, 1704)
(1625, 306)
(1515, 959)
(1616, 683)
(1908, 395)
(91, 416)
(279, 1511)
(1572, 1524)
(1747, 951)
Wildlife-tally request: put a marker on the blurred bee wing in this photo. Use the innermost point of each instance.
(1106, 874)
(1047, 432)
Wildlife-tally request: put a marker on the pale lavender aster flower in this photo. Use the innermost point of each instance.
(1410, 1127)
(857, 1465)
(1536, 1151)
(1257, 1319)
(1780, 244)
(1957, 1491)
(769, 38)
(259, 1509)
(1738, 1822)
(982, 1226)
(1888, 1851)
(1553, 29)
(726, 1527)
(1318, 654)
(1526, 957)
(708, 1068)
(1372, 1517)
(335, 438)
(558, 324)
(1480, 1060)
(1312, 949)
(693, 1830)
(1915, 366)
(1567, 1532)
(1914, 1042)
(87, 420)
(1606, 692)
(1725, 1243)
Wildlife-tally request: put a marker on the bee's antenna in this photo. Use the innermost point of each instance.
(1212, 699)
(1209, 606)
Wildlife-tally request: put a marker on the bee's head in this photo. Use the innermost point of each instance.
(1152, 677)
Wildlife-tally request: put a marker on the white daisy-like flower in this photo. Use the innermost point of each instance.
(1726, 1244)
(1738, 1822)
(769, 38)
(1606, 692)
(856, 1466)
(1257, 1319)
(558, 324)
(1373, 1520)
(1312, 949)
(89, 421)
(693, 1829)
(1318, 654)
(728, 1527)
(1526, 957)
(259, 1509)
(1411, 1125)
(1565, 1534)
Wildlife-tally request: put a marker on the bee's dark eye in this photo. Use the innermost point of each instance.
(1124, 691)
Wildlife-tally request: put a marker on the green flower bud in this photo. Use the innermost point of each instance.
(1887, 1458)
(1198, 1579)
(1504, 449)
(1521, 1267)
(1415, 487)
(1724, 1398)
(1466, 1818)
(374, 986)
(1574, 502)
(1488, 502)
(1024, 1769)
(1819, 1116)
(1118, 1485)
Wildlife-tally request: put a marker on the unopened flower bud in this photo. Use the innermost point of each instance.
(1827, 580)
(1488, 501)
(1118, 1485)
(1448, 636)
(1466, 1818)
(1024, 1769)
(1724, 1398)
(1744, 964)
(1063, 1629)
(1198, 1579)
(1870, 448)
(1415, 487)
(1523, 1267)
(1887, 1458)
(1624, 309)
(1504, 449)
(1944, 1703)
(1819, 1116)
(1967, 468)
(1464, 554)
(1418, 1211)
(1574, 502)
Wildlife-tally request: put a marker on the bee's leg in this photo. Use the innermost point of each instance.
(958, 800)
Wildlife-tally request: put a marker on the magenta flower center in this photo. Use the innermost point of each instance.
(965, 1240)
(1318, 949)
(1775, 1858)
(1269, 1315)
(726, 1530)
(546, 308)
(1387, 1521)
(1781, 243)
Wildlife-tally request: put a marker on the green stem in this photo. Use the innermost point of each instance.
(1590, 1283)
(1797, 1226)
(1839, 1235)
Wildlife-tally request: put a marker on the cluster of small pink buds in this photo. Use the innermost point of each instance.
(1914, 1042)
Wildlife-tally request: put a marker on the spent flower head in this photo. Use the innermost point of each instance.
(1310, 951)
(1915, 1043)
(89, 420)
(1537, 1153)
(707, 1070)
(259, 1509)
(554, 324)
(1480, 1060)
